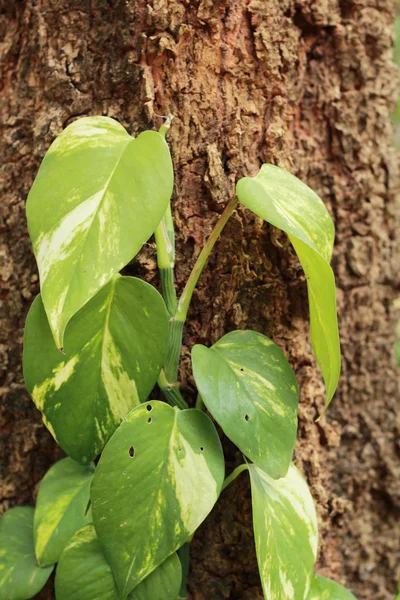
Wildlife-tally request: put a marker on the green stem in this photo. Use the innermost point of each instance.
(199, 402)
(174, 350)
(233, 475)
(165, 242)
(184, 300)
(171, 392)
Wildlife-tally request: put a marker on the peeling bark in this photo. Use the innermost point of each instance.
(305, 84)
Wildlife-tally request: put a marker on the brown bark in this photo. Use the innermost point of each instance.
(306, 84)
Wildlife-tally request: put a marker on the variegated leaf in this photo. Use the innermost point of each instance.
(20, 575)
(61, 508)
(158, 478)
(83, 573)
(251, 391)
(98, 196)
(114, 350)
(287, 203)
(326, 589)
(163, 583)
(286, 536)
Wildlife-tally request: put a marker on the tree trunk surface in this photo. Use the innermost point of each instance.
(305, 84)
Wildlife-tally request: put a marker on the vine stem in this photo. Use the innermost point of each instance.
(233, 475)
(184, 300)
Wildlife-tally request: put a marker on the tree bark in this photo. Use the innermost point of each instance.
(305, 84)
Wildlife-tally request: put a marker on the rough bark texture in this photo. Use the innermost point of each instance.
(306, 84)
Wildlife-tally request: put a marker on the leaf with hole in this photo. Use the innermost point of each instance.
(251, 391)
(114, 350)
(61, 508)
(97, 198)
(158, 478)
(83, 573)
(20, 575)
(286, 535)
(326, 589)
(284, 201)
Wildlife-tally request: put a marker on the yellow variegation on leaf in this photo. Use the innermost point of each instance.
(251, 391)
(61, 508)
(287, 203)
(98, 196)
(114, 350)
(286, 533)
(158, 478)
(83, 573)
(21, 577)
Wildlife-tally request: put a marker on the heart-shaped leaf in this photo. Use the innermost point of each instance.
(83, 573)
(158, 478)
(98, 196)
(326, 589)
(251, 391)
(20, 575)
(285, 529)
(114, 350)
(61, 508)
(287, 203)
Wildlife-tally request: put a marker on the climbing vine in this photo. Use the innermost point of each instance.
(95, 345)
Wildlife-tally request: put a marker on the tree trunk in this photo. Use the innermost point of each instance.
(305, 84)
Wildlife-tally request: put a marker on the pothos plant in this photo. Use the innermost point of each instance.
(95, 345)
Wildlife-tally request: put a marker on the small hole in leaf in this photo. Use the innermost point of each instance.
(124, 473)
(201, 449)
(131, 451)
(241, 368)
(149, 407)
(247, 418)
(149, 420)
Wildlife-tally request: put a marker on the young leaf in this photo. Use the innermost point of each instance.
(98, 196)
(83, 573)
(20, 575)
(251, 391)
(61, 508)
(326, 589)
(287, 203)
(285, 529)
(158, 478)
(114, 350)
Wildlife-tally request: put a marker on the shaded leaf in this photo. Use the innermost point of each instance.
(251, 391)
(98, 196)
(287, 203)
(158, 478)
(61, 508)
(83, 573)
(285, 529)
(114, 350)
(20, 575)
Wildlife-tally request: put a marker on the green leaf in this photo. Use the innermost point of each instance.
(326, 589)
(61, 508)
(98, 196)
(251, 391)
(20, 575)
(163, 583)
(286, 536)
(287, 203)
(158, 478)
(114, 350)
(83, 573)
